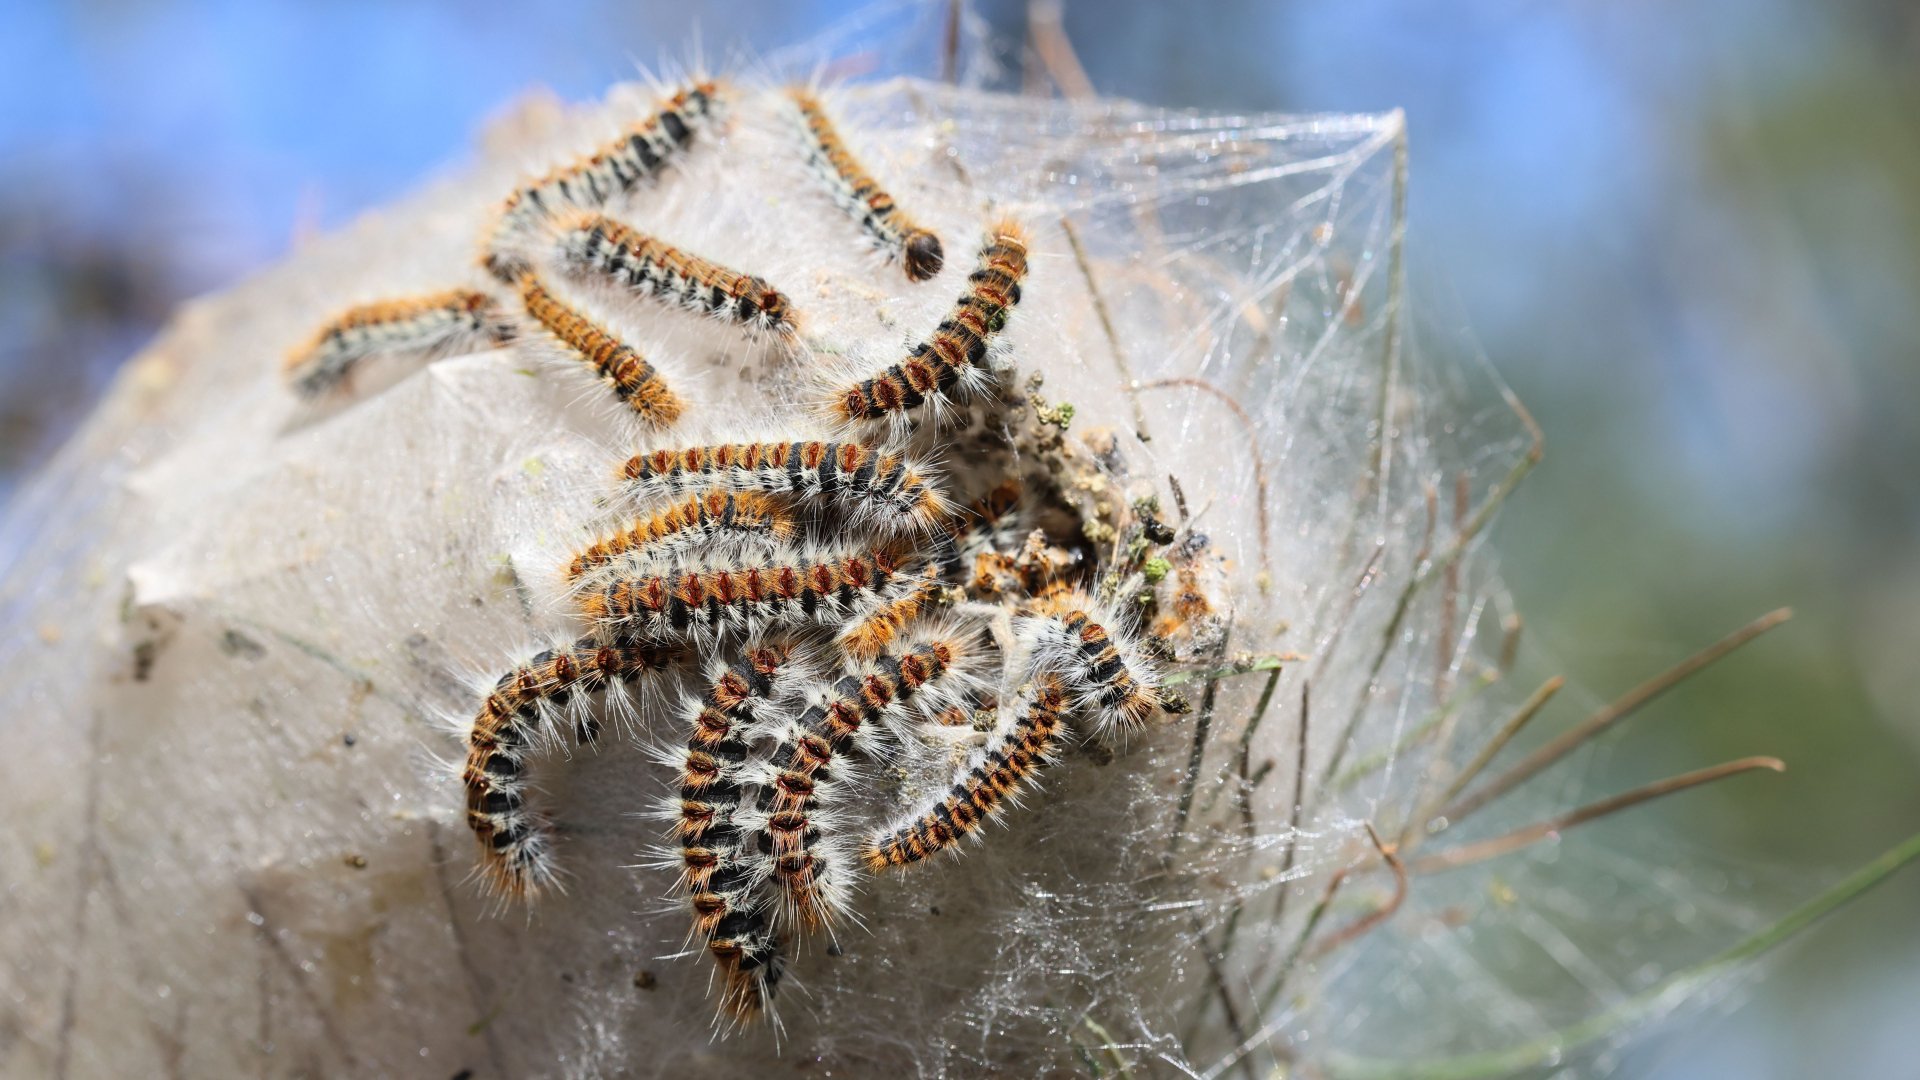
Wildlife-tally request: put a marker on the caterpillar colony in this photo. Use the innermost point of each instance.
(797, 611)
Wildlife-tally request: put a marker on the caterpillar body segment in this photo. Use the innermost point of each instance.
(1092, 652)
(797, 783)
(633, 379)
(594, 245)
(710, 521)
(636, 157)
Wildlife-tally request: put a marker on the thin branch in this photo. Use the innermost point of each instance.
(1299, 803)
(1049, 36)
(1319, 912)
(950, 45)
(1380, 914)
(1112, 1048)
(1438, 566)
(1511, 628)
(1469, 854)
(1525, 713)
(1120, 361)
(1418, 734)
(1248, 666)
(1612, 714)
(1244, 761)
(1201, 728)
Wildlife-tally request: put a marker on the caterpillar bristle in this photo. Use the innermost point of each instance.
(884, 488)
(1105, 671)
(592, 244)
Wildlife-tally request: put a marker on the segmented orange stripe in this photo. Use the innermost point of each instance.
(713, 876)
(645, 263)
(616, 166)
(1120, 695)
(890, 487)
(822, 734)
(864, 638)
(800, 585)
(397, 326)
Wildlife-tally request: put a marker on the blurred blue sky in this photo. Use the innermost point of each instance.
(1689, 237)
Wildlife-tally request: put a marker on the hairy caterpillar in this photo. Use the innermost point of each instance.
(638, 155)
(992, 778)
(884, 488)
(633, 379)
(437, 323)
(861, 196)
(591, 243)
(951, 359)
(702, 520)
(516, 856)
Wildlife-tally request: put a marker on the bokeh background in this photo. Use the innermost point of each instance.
(1688, 236)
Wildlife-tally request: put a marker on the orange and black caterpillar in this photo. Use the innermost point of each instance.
(515, 852)
(634, 381)
(953, 356)
(792, 786)
(616, 167)
(860, 195)
(647, 265)
(797, 590)
(885, 489)
(716, 874)
(699, 521)
(415, 326)
(990, 780)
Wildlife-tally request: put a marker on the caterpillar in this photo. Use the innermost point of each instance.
(1105, 673)
(704, 520)
(751, 963)
(992, 778)
(516, 856)
(437, 323)
(716, 875)
(866, 637)
(797, 779)
(884, 488)
(892, 230)
(713, 875)
(795, 589)
(644, 264)
(951, 359)
(638, 155)
(633, 379)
